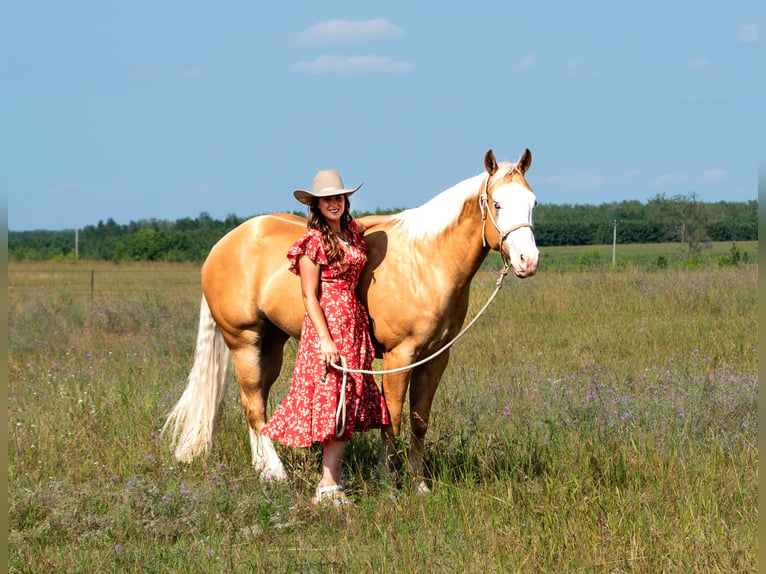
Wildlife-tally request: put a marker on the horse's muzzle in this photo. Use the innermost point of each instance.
(526, 265)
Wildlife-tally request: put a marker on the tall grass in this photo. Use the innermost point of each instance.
(589, 422)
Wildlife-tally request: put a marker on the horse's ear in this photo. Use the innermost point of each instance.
(489, 163)
(525, 161)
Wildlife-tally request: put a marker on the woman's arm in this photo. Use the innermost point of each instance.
(310, 278)
(364, 223)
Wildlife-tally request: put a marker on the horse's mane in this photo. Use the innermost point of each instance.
(442, 211)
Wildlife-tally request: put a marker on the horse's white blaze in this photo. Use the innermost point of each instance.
(515, 206)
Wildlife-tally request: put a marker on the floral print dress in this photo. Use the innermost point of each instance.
(307, 414)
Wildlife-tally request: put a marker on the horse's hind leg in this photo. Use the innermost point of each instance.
(423, 386)
(257, 365)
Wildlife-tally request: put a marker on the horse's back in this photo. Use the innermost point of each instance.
(246, 279)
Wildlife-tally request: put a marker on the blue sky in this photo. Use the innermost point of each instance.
(164, 110)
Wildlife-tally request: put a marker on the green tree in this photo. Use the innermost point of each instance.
(693, 219)
(148, 244)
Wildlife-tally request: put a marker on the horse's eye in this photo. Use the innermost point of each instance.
(496, 204)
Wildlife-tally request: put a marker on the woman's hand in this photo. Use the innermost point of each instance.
(330, 352)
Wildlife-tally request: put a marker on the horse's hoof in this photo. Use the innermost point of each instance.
(421, 489)
(273, 475)
(384, 475)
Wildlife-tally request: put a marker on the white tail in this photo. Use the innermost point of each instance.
(193, 419)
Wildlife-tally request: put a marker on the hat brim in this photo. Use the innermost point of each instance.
(306, 197)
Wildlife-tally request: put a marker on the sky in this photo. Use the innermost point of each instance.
(165, 110)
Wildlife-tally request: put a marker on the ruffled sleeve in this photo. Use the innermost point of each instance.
(310, 244)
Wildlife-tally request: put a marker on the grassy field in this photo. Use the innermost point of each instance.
(594, 420)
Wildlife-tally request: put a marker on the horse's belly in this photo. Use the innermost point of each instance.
(281, 303)
(246, 281)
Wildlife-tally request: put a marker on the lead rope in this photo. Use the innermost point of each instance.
(340, 412)
(342, 367)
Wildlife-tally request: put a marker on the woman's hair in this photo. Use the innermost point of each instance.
(330, 240)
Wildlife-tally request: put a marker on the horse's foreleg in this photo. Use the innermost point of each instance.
(257, 368)
(394, 390)
(423, 386)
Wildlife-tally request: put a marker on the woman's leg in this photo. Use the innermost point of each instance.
(332, 462)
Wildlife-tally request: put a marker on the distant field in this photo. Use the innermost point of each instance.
(594, 420)
(647, 257)
(641, 256)
(81, 274)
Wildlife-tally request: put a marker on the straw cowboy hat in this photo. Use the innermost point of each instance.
(327, 182)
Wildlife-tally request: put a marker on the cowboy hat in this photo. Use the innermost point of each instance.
(327, 183)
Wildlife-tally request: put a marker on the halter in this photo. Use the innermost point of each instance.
(484, 206)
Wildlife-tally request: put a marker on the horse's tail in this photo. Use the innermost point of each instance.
(194, 417)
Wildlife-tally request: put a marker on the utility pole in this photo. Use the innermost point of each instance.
(614, 245)
(76, 244)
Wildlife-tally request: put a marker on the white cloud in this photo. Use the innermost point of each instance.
(202, 188)
(747, 33)
(575, 65)
(65, 188)
(529, 61)
(713, 175)
(670, 180)
(333, 32)
(628, 176)
(352, 65)
(687, 180)
(192, 73)
(701, 64)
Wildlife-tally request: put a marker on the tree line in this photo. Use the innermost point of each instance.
(683, 219)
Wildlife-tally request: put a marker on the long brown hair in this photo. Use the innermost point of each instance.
(330, 240)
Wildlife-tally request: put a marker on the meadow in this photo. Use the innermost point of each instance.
(595, 419)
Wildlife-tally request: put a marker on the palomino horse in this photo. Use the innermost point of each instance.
(415, 284)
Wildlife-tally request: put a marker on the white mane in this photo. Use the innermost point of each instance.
(441, 211)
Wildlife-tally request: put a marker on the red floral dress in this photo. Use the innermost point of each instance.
(307, 414)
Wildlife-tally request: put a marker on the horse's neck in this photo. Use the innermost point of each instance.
(455, 252)
(463, 241)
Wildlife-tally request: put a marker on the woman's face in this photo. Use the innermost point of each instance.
(332, 208)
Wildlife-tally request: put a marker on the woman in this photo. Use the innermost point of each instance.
(329, 258)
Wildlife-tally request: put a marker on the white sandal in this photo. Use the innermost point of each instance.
(335, 495)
